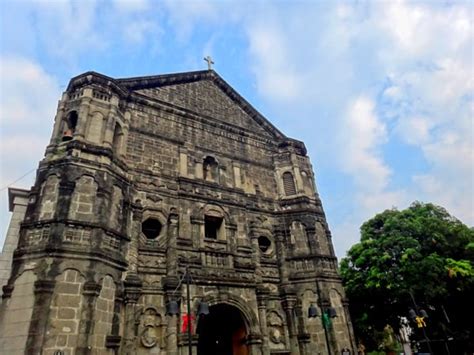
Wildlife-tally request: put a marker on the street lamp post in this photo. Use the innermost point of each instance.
(419, 317)
(172, 308)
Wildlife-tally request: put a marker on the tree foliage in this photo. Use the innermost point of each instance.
(422, 250)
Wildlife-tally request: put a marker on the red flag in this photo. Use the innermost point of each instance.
(186, 322)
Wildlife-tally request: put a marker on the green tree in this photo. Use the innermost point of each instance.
(422, 250)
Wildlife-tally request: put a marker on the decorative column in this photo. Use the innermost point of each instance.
(110, 127)
(90, 292)
(254, 342)
(289, 302)
(254, 233)
(40, 318)
(132, 291)
(170, 284)
(304, 338)
(134, 232)
(281, 253)
(171, 252)
(262, 295)
(83, 116)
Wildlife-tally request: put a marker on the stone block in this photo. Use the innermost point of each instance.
(15, 345)
(64, 300)
(62, 326)
(66, 313)
(70, 275)
(61, 341)
(68, 288)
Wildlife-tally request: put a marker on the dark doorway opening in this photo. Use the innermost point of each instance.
(222, 332)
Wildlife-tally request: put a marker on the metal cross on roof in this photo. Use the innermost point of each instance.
(209, 61)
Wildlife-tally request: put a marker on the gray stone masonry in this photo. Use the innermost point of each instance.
(146, 179)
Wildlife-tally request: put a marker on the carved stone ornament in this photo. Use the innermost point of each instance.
(276, 328)
(151, 328)
(276, 336)
(149, 337)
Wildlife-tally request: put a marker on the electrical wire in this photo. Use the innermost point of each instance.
(21, 177)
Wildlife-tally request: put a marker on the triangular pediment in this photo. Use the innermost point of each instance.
(206, 94)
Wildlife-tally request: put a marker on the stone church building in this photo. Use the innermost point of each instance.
(155, 186)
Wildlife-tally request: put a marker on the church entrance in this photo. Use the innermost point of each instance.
(222, 332)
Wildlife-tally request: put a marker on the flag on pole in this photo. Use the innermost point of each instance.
(187, 322)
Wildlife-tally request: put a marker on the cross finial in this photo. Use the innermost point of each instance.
(209, 61)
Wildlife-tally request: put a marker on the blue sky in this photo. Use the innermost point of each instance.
(380, 92)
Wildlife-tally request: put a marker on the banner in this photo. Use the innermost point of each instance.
(186, 321)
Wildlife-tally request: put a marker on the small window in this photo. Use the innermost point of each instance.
(151, 228)
(209, 167)
(118, 137)
(212, 226)
(264, 244)
(72, 120)
(71, 123)
(289, 184)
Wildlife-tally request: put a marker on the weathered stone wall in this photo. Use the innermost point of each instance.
(16, 315)
(180, 153)
(65, 314)
(103, 316)
(49, 196)
(83, 198)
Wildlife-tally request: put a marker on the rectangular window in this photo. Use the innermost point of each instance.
(212, 226)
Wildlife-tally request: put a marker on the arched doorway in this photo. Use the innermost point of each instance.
(222, 331)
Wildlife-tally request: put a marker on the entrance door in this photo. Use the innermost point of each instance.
(222, 332)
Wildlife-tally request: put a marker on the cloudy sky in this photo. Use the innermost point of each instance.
(381, 92)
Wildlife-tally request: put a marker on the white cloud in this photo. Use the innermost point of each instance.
(275, 77)
(362, 133)
(127, 6)
(27, 94)
(354, 78)
(414, 130)
(28, 99)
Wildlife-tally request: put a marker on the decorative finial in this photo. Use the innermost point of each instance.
(209, 61)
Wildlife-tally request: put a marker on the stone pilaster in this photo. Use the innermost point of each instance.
(135, 231)
(40, 318)
(170, 285)
(133, 289)
(171, 254)
(90, 292)
(83, 117)
(254, 342)
(289, 302)
(281, 252)
(262, 296)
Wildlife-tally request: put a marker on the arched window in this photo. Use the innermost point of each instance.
(70, 127)
(210, 168)
(289, 184)
(118, 139)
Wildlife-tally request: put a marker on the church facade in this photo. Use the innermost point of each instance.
(162, 192)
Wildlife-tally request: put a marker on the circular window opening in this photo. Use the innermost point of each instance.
(264, 244)
(151, 228)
